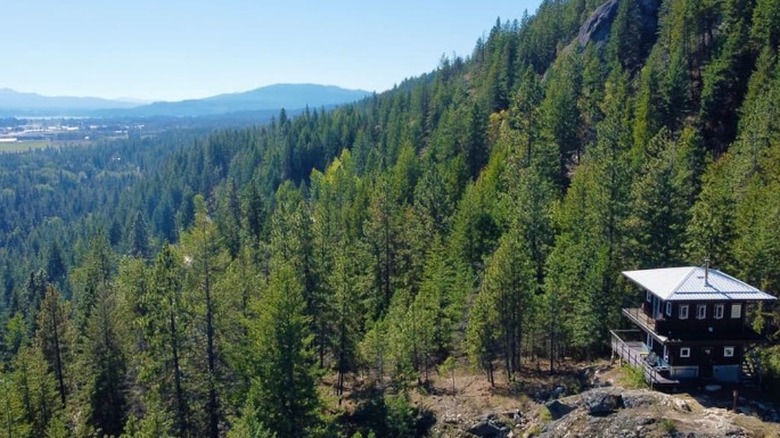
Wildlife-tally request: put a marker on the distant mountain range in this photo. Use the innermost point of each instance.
(18, 103)
(272, 97)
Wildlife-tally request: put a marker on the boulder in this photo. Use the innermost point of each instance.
(558, 409)
(638, 398)
(603, 403)
(451, 419)
(489, 429)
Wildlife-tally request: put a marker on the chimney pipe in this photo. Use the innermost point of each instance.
(706, 271)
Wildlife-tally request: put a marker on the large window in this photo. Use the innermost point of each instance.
(685, 352)
(728, 351)
(736, 310)
(668, 308)
(719, 311)
(683, 314)
(701, 311)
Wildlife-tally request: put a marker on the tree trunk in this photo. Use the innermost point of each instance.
(181, 409)
(58, 357)
(212, 406)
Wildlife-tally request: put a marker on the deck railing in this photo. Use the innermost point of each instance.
(639, 317)
(634, 353)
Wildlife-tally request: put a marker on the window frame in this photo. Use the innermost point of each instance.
(683, 313)
(701, 311)
(738, 313)
(719, 311)
(648, 296)
(728, 351)
(685, 352)
(668, 308)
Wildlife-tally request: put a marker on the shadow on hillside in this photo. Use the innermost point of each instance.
(542, 386)
(750, 401)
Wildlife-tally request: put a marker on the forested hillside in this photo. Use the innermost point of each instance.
(247, 282)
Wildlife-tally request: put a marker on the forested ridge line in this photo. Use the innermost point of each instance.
(183, 285)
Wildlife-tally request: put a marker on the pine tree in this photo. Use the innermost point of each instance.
(53, 336)
(99, 362)
(766, 24)
(584, 265)
(349, 284)
(229, 218)
(55, 265)
(283, 394)
(138, 237)
(660, 204)
(203, 255)
(560, 117)
(482, 336)
(31, 399)
(292, 241)
(99, 368)
(93, 275)
(165, 323)
(711, 228)
(381, 232)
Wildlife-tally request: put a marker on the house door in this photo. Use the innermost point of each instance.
(705, 367)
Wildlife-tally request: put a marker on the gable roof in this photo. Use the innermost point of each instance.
(688, 284)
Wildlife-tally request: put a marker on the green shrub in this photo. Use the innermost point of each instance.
(668, 426)
(633, 377)
(770, 363)
(545, 415)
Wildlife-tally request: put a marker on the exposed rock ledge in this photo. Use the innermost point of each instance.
(614, 412)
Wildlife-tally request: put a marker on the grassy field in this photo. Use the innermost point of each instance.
(23, 146)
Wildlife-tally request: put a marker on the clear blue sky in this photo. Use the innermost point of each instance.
(171, 49)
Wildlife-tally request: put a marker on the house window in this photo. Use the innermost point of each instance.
(683, 311)
(685, 352)
(736, 310)
(701, 311)
(648, 297)
(668, 308)
(719, 311)
(728, 351)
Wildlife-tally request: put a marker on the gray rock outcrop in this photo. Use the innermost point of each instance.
(597, 27)
(615, 412)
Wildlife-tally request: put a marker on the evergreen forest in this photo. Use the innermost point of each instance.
(246, 282)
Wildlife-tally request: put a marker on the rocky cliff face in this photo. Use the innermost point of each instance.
(597, 27)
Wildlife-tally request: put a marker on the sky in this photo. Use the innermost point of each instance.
(173, 49)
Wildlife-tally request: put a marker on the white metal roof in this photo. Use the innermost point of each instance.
(688, 283)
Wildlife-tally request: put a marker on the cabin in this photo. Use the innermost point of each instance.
(690, 327)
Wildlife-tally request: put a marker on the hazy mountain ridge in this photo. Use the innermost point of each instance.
(272, 97)
(12, 101)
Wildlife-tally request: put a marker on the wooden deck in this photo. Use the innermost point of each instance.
(640, 318)
(632, 351)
